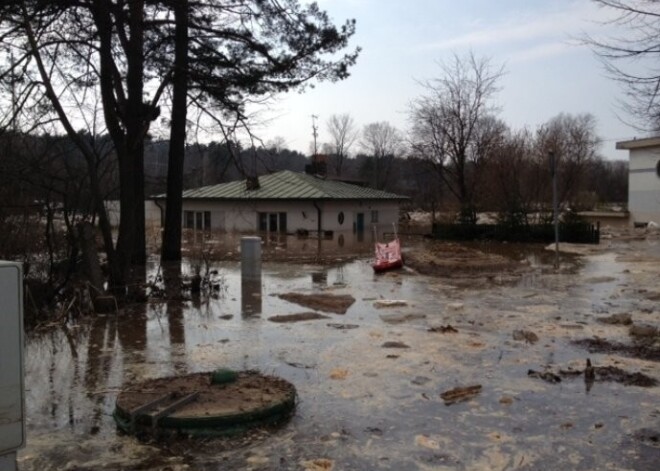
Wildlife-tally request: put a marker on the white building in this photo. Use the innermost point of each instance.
(286, 202)
(643, 179)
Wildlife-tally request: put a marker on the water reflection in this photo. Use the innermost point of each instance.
(177, 335)
(251, 298)
(73, 376)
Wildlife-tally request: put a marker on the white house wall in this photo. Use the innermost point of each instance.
(241, 216)
(644, 185)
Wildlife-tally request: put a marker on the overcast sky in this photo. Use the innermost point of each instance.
(547, 72)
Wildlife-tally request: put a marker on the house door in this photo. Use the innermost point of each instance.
(272, 222)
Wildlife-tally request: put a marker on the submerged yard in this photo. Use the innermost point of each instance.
(370, 382)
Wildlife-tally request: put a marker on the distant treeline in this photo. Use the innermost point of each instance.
(48, 168)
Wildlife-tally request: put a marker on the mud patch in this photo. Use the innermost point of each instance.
(617, 319)
(443, 329)
(391, 344)
(597, 374)
(450, 259)
(335, 303)
(298, 317)
(401, 318)
(527, 335)
(648, 437)
(598, 345)
(612, 373)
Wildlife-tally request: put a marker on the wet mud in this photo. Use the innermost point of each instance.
(643, 351)
(297, 317)
(597, 373)
(326, 302)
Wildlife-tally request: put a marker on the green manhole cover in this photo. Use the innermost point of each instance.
(222, 402)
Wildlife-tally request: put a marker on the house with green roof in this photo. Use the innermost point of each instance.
(286, 202)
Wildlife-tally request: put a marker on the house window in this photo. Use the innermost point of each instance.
(657, 169)
(271, 222)
(340, 218)
(374, 217)
(188, 219)
(197, 220)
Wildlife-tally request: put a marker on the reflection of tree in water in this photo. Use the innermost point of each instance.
(101, 339)
(177, 333)
(76, 370)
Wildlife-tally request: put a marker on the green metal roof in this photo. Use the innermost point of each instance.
(291, 186)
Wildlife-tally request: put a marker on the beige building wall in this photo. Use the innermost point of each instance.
(644, 185)
(242, 216)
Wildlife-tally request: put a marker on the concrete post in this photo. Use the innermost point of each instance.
(251, 257)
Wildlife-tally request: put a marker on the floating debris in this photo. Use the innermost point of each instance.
(599, 345)
(420, 380)
(460, 394)
(455, 306)
(401, 318)
(527, 335)
(548, 376)
(443, 329)
(643, 331)
(343, 326)
(391, 344)
(320, 464)
(301, 316)
(598, 374)
(339, 373)
(622, 318)
(385, 303)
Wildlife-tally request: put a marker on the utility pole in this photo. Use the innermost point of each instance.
(555, 208)
(315, 132)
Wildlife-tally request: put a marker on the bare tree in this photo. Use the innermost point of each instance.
(383, 142)
(453, 125)
(630, 56)
(343, 133)
(574, 141)
(54, 52)
(511, 177)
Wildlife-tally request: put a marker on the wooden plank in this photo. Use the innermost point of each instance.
(172, 407)
(149, 405)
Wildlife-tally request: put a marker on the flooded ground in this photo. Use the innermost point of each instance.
(370, 381)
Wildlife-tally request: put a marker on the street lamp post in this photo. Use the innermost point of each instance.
(555, 208)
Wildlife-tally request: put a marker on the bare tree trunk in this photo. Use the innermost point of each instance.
(171, 249)
(137, 114)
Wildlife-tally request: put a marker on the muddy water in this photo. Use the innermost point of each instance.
(386, 412)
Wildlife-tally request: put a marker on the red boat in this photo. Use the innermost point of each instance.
(388, 256)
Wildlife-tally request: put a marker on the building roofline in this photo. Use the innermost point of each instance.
(639, 143)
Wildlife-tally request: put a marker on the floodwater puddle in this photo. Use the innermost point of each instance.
(358, 409)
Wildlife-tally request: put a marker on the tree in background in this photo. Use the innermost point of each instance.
(58, 53)
(383, 142)
(632, 57)
(454, 128)
(511, 184)
(343, 133)
(83, 64)
(235, 54)
(574, 141)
